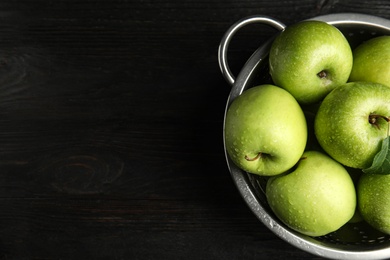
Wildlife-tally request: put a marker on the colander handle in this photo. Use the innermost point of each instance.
(224, 44)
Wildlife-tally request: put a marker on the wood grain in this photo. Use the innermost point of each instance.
(111, 118)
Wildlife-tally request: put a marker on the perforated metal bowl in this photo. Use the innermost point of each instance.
(352, 241)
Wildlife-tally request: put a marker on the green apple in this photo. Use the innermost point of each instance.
(265, 130)
(352, 121)
(316, 198)
(371, 61)
(374, 200)
(309, 59)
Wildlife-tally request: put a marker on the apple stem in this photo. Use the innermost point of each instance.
(322, 74)
(254, 158)
(374, 117)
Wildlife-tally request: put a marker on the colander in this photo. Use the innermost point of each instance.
(353, 240)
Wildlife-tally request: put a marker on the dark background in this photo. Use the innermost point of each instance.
(111, 128)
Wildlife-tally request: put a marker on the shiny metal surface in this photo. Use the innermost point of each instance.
(223, 47)
(354, 241)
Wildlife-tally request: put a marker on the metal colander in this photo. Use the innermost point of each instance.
(352, 241)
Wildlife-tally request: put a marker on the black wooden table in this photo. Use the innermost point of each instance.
(111, 119)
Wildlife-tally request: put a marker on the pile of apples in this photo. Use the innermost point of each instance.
(320, 132)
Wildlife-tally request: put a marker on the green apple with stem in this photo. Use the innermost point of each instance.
(317, 197)
(265, 130)
(352, 122)
(374, 200)
(371, 61)
(309, 59)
